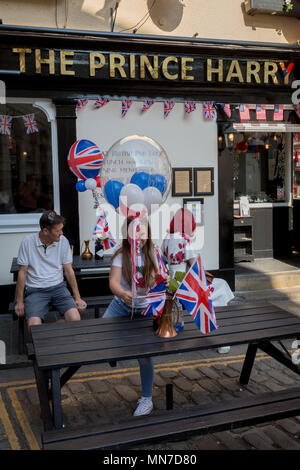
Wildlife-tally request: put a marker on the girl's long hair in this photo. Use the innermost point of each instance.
(149, 261)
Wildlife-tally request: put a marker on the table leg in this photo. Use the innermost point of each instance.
(248, 363)
(56, 398)
(42, 386)
(278, 355)
(169, 396)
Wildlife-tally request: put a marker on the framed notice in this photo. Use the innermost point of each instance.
(203, 181)
(182, 182)
(196, 207)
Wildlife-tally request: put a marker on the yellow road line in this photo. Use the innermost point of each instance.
(30, 437)
(8, 427)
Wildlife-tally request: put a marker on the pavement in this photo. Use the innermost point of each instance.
(104, 395)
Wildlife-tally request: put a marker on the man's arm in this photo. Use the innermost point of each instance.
(70, 276)
(19, 307)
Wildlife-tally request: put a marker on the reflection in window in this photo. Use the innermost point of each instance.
(26, 179)
(296, 161)
(260, 167)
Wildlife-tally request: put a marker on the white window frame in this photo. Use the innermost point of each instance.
(16, 223)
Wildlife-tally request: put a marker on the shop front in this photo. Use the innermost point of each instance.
(46, 72)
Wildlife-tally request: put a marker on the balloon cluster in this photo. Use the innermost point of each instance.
(136, 176)
(85, 160)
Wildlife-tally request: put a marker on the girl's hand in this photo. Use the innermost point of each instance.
(167, 280)
(127, 297)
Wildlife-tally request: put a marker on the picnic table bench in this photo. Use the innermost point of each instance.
(72, 345)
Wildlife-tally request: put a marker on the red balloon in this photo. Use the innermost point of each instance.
(97, 179)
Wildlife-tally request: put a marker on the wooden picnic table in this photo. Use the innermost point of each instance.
(82, 268)
(75, 344)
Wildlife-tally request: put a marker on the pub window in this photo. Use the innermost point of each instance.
(260, 170)
(26, 169)
(296, 165)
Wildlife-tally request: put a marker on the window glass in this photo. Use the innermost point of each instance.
(296, 166)
(260, 167)
(26, 179)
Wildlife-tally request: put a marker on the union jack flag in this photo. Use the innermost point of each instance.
(189, 106)
(5, 124)
(125, 106)
(261, 113)
(101, 230)
(81, 103)
(286, 71)
(278, 112)
(244, 112)
(147, 105)
(30, 124)
(209, 110)
(156, 296)
(226, 109)
(194, 294)
(101, 101)
(168, 106)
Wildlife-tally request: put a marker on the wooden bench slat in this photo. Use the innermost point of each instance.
(201, 420)
(142, 340)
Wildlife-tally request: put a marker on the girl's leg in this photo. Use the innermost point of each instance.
(147, 376)
(116, 308)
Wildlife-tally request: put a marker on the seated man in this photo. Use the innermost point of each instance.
(42, 259)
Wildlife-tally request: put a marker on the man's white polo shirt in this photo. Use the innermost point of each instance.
(45, 266)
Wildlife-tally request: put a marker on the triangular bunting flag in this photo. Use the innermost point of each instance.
(168, 106)
(125, 106)
(101, 101)
(30, 124)
(189, 106)
(209, 110)
(81, 103)
(147, 105)
(5, 124)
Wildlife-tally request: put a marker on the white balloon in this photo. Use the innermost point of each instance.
(153, 198)
(132, 201)
(90, 183)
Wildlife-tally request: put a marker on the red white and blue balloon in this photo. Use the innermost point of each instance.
(85, 159)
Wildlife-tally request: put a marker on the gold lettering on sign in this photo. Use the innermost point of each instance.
(185, 68)
(234, 71)
(132, 66)
(93, 64)
(152, 69)
(39, 61)
(64, 62)
(113, 65)
(22, 53)
(165, 68)
(253, 68)
(211, 70)
(270, 70)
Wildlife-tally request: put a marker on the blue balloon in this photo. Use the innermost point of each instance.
(80, 186)
(112, 191)
(159, 182)
(141, 179)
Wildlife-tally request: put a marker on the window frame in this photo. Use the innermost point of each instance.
(16, 223)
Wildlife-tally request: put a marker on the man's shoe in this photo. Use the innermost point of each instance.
(145, 407)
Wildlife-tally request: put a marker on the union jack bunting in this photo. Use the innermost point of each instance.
(5, 124)
(168, 106)
(81, 103)
(244, 112)
(125, 106)
(194, 294)
(30, 124)
(226, 109)
(209, 110)
(286, 71)
(147, 105)
(261, 113)
(189, 106)
(297, 109)
(278, 112)
(101, 101)
(101, 230)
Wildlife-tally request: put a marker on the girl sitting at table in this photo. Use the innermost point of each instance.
(122, 303)
(177, 251)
